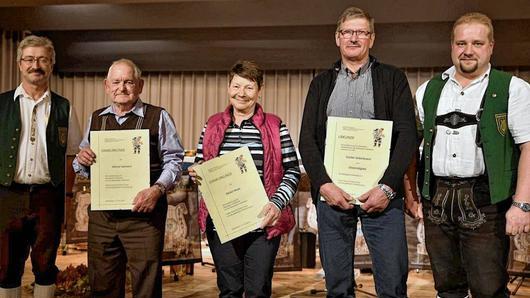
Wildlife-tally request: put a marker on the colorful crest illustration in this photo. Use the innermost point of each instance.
(137, 144)
(241, 162)
(502, 123)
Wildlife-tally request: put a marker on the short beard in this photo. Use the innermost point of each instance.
(468, 69)
(38, 81)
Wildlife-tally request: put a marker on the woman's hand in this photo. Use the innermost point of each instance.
(270, 214)
(193, 175)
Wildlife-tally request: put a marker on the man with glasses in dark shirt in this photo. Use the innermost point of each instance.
(358, 86)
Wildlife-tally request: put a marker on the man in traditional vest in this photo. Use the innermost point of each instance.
(475, 167)
(118, 238)
(38, 128)
(359, 86)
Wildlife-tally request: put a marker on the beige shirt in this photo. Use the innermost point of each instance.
(32, 159)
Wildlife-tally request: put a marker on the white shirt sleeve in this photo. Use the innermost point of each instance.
(79, 168)
(518, 109)
(419, 101)
(74, 132)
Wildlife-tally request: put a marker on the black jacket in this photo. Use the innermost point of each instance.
(392, 101)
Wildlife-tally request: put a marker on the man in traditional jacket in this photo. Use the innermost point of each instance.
(39, 127)
(475, 167)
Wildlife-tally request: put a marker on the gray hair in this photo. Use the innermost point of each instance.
(36, 41)
(353, 12)
(137, 71)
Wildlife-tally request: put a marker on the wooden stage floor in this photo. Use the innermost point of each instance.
(285, 284)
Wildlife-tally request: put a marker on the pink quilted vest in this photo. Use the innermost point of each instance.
(269, 128)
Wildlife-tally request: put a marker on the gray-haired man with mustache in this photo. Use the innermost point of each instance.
(38, 128)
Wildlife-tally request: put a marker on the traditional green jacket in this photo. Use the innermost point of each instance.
(56, 137)
(501, 155)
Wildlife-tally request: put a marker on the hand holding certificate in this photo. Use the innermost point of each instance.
(233, 193)
(121, 170)
(357, 153)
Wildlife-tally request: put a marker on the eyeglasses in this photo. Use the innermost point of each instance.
(40, 60)
(362, 34)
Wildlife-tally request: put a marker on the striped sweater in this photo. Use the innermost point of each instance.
(248, 135)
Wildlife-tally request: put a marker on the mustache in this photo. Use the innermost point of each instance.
(467, 56)
(37, 70)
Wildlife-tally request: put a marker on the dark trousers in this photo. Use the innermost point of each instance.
(120, 240)
(385, 236)
(245, 264)
(466, 241)
(31, 217)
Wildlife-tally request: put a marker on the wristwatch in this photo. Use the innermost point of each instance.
(523, 206)
(160, 187)
(390, 194)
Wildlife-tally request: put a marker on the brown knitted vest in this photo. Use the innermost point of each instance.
(150, 121)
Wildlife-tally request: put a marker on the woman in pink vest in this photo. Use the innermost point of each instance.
(245, 265)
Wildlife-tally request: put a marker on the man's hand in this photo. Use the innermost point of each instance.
(412, 201)
(270, 214)
(335, 196)
(145, 200)
(86, 157)
(413, 208)
(374, 200)
(517, 221)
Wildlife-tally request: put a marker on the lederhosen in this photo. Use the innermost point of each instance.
(499, 151)
(465, 217)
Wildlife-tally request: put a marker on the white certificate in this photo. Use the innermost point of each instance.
(357, 153)
(121, 169)
(233, 192)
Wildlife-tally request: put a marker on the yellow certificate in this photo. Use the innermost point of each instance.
(233, 192)
(357, 153)
(121, 169)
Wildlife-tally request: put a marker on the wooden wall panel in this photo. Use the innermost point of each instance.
(190, 97)
(9, 73)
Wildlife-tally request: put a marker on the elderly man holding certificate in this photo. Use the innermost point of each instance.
(135, 155)
(244, 265)
(358, 86)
